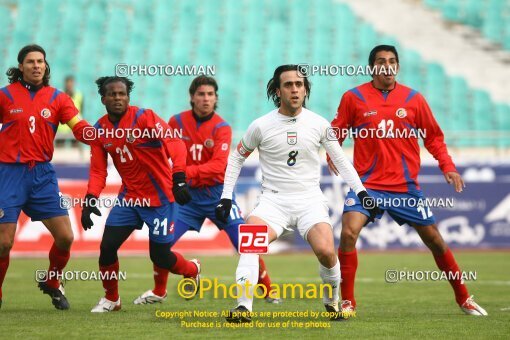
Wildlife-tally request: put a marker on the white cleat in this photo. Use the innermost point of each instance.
(106, 305)
(149, 298)
(470, 307)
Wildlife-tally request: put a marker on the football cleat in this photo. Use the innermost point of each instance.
(272, 297)
(58, 298)
(470, 307)
(149, 298)
(190, 289)
(334, 312)
(104, 305)
(347, 309)
(240, 314)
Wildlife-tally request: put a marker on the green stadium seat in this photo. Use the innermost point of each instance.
(246, 40)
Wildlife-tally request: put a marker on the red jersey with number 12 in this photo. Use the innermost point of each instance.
(390, 163)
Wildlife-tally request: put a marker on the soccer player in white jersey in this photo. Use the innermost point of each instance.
(288, 139)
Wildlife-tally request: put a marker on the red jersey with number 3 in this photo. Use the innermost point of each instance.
(390, 163)
(142, 162)
(30, 120)
(208, 144)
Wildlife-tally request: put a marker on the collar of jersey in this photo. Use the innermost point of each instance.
(202, 119)
(31, 87)
(383, 91)
(288, 118)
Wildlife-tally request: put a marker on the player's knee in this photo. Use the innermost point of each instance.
(65, 241)
(326, 256)
(107, 253)
(349, 235)
(5, 247)
(161, 255)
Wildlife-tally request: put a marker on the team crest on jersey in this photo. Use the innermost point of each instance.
(349, 202)
(130, 138)
(45, 113)
(209, 143)
(369, 113)
(401, 113)
(292, 138)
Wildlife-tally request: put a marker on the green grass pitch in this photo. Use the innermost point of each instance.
(385, 310)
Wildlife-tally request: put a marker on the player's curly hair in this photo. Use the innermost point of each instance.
(14, 74)
(274, 83)
(103, 81)
(203, 80)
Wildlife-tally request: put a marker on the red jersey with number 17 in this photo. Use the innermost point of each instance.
(386, 150)
(207, 143)
(30, 120)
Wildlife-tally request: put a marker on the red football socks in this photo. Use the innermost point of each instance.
(58, 260)
(184, 267)
(264, 276)
(348, 267)
(160, 280)
(110, 281)
(447, 263)
(4, 264)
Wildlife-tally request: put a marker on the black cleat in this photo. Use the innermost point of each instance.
(57, 297)
(240, 314)
(334, 312)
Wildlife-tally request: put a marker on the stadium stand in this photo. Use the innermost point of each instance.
(246, 40)
(490, 17)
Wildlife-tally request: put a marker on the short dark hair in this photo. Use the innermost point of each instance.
(203, 80)
(379, 48)
(103, 81)
(69, 77)
(14, 74)
(274, 83)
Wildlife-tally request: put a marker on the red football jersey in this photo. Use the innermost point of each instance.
(207, 144)
(388, 163)
(140, 157)
(30, 121)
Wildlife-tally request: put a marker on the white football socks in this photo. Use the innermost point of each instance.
(330, 276)
(248, 271)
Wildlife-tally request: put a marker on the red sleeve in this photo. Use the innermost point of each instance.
(2, 106)
(98, 173)
(218, 162)
(173, 123)
(344, 117)
(175, 147)
(84, 132)
(434, 137)
(67, 110)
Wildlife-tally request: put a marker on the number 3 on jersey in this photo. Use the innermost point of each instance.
(292, 158)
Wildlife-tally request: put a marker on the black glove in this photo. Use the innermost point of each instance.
(89, 207)
(180, 188)
(369, 204)
(223, 209)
